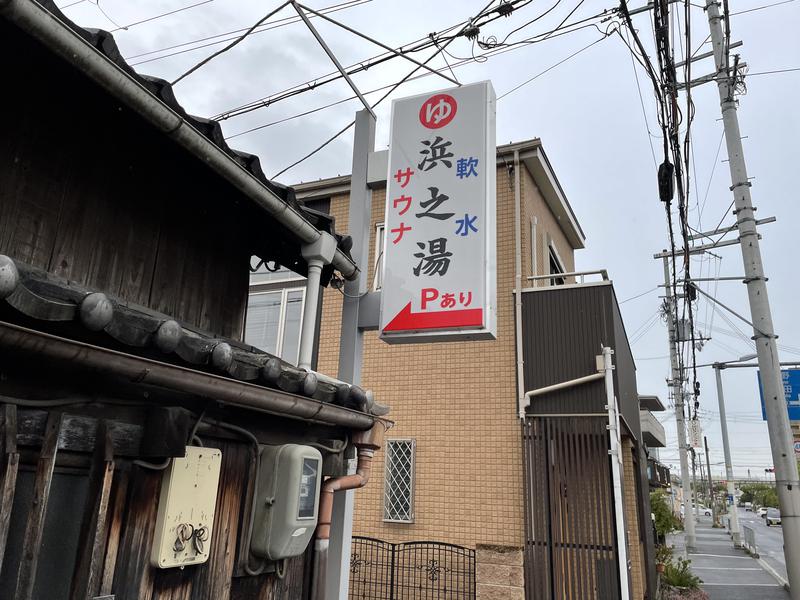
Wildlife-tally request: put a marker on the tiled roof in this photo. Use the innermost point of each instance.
(33, 297)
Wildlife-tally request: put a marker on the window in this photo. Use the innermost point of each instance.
(378, 266)
(556, 266)
(398, 491)
(274, 319)
(275, 311)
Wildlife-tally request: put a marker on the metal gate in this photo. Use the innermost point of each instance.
(570, 545)
(410, 571)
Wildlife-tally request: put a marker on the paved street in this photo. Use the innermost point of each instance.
(728, 573)
(769, 541)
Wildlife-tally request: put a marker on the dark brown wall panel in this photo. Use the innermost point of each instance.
(93, 194)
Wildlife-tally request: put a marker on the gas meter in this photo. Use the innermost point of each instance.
(287, 495)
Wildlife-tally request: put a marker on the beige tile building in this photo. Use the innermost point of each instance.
(452, 468)
(457, 401)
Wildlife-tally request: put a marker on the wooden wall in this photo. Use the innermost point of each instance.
(91, 193)
(73, 525)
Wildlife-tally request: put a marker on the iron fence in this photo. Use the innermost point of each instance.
(381, 570)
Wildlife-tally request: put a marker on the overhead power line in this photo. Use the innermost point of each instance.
(387, 94)
(227, 36)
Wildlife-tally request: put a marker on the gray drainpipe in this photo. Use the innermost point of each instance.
(42, 25)
(317, 255)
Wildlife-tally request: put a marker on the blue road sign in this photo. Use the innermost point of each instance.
(791, 387)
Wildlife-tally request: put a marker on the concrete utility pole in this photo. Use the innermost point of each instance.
(733, 513)
(695, 499)
(710, 484)
(677, 398)
(780, 433)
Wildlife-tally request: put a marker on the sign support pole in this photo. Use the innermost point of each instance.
(352, 341)
(787, 480)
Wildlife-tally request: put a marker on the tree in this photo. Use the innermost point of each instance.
(665, 520)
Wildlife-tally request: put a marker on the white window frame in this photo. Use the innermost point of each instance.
(386, 517)
(271, 288)
(377, 267)
(553, 253)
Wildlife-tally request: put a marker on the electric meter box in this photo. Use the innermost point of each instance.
(287, 500)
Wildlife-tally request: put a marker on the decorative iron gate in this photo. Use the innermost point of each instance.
(410, 571)
(570, 543)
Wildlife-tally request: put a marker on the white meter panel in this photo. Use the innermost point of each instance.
(186, 509)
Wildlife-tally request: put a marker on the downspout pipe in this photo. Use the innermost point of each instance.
(36, 21)
(317, 255)
(615, 450)
(518, 288)
(366, 443)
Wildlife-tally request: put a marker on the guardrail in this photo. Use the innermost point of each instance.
(749, 540)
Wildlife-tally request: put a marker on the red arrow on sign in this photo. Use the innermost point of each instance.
(442, 319)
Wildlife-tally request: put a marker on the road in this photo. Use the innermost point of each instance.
(769, 540)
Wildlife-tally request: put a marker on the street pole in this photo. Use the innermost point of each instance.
(677, 397)
(352, 342)
(733, 513)
(710, 484)
(780, 432)
(695, 499)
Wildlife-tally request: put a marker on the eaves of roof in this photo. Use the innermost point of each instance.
(91, 322)
(95, 53)
(531, 154)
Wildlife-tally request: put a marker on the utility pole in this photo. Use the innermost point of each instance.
(780, 433)
(733, 513)
(710, 484)
(695, 499)
(677, 398)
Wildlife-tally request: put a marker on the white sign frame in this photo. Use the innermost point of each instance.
(403, 316)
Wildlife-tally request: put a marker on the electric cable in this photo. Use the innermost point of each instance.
(159, 16)
(266, 27)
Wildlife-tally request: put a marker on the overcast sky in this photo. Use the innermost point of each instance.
(588, 114)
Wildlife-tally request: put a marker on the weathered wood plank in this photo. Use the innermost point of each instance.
(118, 503)
(133, 576)
(9, 477)
(34, 530)
(91, 547)
(79, 433)
(213, 580)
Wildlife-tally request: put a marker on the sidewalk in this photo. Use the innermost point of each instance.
(728, 573)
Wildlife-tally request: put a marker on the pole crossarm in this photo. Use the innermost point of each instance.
(377, 43)
(730, 310)
(333, 58)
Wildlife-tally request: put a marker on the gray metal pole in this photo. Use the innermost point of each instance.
(352, 341)
(710, 484)
(780, 432)
(733, 511)
(677, 397)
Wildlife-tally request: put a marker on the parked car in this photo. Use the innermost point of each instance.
(761, 512)
(748, 506)
(705, 510)
(773, 517)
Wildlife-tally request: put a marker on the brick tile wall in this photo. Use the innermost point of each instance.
(458, 400)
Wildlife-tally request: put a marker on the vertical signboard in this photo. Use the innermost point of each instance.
(439, 254)
(791, 389)
(695, 434)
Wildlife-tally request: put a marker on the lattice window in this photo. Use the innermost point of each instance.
(398, 492)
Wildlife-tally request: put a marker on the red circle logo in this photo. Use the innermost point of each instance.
(437, 111)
